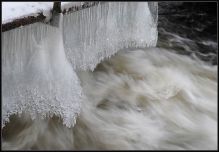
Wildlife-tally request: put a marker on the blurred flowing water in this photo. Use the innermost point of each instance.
(152, 98)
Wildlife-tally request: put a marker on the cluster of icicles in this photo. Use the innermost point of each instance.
(39, 60)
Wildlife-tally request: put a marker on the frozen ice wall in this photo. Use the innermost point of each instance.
(98, 32)
(37, 77)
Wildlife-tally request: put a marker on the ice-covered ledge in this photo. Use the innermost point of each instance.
(16, 14)
(39, 61)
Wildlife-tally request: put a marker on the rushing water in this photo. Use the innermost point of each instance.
(154, 98)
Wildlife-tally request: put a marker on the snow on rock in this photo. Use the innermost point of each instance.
(17, 10)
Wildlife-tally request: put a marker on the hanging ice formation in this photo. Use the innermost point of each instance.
(37, 77)
(98, 32)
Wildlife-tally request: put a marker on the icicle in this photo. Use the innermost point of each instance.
(37, 78)
(98, 32)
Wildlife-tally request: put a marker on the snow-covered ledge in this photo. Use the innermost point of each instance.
(16, 14)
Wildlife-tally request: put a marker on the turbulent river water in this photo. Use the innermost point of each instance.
(153, 98)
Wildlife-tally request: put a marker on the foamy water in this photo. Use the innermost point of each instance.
(140, 99)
